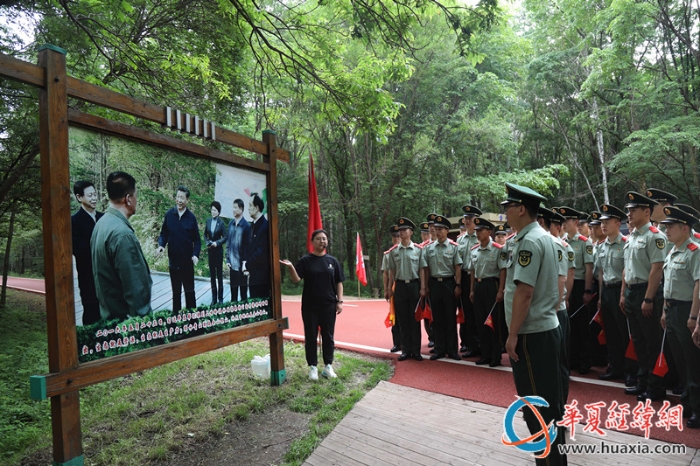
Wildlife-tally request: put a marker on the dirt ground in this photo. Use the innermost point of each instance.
(261, 440)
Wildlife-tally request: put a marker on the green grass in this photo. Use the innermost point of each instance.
(147, 417)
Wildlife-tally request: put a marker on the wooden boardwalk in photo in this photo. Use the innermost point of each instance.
(397, 425)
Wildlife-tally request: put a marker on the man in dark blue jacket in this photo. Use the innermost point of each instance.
(181, 234)
(257, 259)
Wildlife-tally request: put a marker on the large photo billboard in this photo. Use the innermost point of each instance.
(184, 252)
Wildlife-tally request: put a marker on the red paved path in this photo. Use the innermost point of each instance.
(361, 328)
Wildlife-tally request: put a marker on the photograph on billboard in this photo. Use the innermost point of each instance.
(165, 246)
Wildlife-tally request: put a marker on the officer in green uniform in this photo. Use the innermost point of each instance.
(681, 305)
(641, 297)
(441, 281)
(424, 233)
(600, 355)
(663, 199)
(531, 298)
(584, 224)
(552, 222)
(488, 280)
(694, 235)
(500, 234)
(610, 258)
(469, 330)
(395, 329)
(581, 293)
(404, 274)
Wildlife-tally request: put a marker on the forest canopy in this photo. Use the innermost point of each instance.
(408, 107)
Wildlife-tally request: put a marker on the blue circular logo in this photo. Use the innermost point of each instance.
(548, 433)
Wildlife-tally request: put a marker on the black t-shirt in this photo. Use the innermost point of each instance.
(321, 274)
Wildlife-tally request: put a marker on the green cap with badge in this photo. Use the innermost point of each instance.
(634, 199)
(482, 223)
(403, 222)
(522, 195)
(609, 211)
(442, 221)
(676, 215)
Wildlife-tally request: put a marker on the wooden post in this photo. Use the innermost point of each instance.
(58, 266)
(277, 374)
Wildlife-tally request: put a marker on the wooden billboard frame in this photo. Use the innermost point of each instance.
(66, 376)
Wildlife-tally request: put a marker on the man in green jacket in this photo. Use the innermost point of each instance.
(122, 277)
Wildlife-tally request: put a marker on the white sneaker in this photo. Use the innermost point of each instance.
(328, 372)
(313, 373)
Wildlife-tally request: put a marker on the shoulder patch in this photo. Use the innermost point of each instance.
(624, 239)
(504, 255)
(582, 238)
(660, 243)
(390, 249)
(570, 255)
(653, 229)
(474, 247)
(693, 247)
(452, 242)
(419, 246)
(589, 249)
(496, 245)
(524, 258)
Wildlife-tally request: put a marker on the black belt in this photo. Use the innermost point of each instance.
(611, 285)
(676, 302)
(442, 279)
(637, 286)
(479, 280)
(408, 281)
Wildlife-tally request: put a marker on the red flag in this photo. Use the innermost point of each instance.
(390, 320)
(460, 315)
(360, 263)
(631, 353)
(660, 368)
(418, 313)
(428, 311)
(597, 318)
(489, 322)
(601, 337)
(314, 208)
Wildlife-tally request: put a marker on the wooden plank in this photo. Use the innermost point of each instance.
(115, 366)
(324, 456)
(276, 340)
(96, 123)
(110, 99)
(20, 70)
(58, 253)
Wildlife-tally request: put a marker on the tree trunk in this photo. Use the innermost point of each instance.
(601, 151)
(6, 262)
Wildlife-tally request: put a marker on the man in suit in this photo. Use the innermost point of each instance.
(236, 245)
(180, 233)
(257, 259)
(83, 223)
(215, 237)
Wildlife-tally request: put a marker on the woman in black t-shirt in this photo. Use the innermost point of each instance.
(321, 300)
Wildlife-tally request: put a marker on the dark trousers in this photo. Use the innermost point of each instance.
(323, 317)
(444, 306)
(183, 277)
(88, 296)
(616, 332)
(503, 327)
(216, 273)
(238, 282)
(428, 329)
(396, 332)
(580, 346)
(680, 340)
(538, 373)
(565, 327)
(646, 335)
(469, 330)
(484, 302)
(406, 297)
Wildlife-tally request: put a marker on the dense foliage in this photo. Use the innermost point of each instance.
(408, 107)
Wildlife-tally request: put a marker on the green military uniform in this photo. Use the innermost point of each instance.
(644, 247)
(486, 263)
(610, 256)
(469, 330)
(122, 277)
(441, 258)
(395, 329)
(581, 348)
(681, 272)
(404, 262)
(533, 261)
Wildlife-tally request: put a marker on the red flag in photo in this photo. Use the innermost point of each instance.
(631, 353)
(314, 207)
(360, 263)
(460, 314)
(660, 368)
(601, 337)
